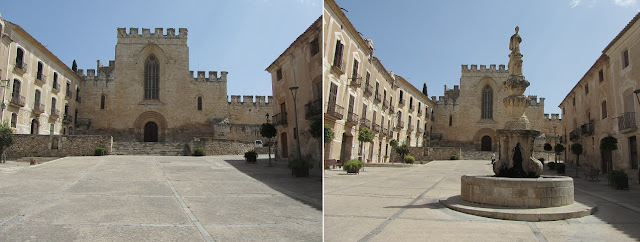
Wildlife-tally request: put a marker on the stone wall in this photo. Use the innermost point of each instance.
(67, 145)
(224, 147)
(444, 153)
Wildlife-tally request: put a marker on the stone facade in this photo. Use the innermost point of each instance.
(57, 145)
(360, 92)
(224, 147)
(298, 66)
(603, 103)
(41, 95)
(459, 116)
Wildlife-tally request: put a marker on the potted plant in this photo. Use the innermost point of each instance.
(618, 179)
(409, 159)
(300, 167)
(453, 157)
(200, 152)
(99, 151)
(560, 167)
(402, 150)
(251, 156)
(364, 136)
(551, 165)
(268, 130)
(576, 149)
(558, 149)
(353, 166)
(386, 158)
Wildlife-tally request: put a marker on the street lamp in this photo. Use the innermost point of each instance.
(294, 90)
(637, 92)
(4, 84)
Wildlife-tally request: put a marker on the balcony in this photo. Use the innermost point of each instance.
(368, 90)
(385, 104)
(17, 100)
(419, 111)
(410, 128)
(339, 66)
(385, 131)
(69, 94)
(67, 118)
(411, 107)
(20, 68)
(400, 125)
(377, 98)
(313, 109)
(365, 123)
(426, 133)
(587, 129)
(56, 88)
(627, 122)
(419, 132)
(392, 109)
(352, 119)
(354, 81)
(280, 119)
(55, 113)
(401, 103)
(375, 127)
(41, 79)
(38, 108)
(574, 135)
(334, 110)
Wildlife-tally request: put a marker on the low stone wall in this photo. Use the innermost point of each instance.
(213, 146)
(540, 192)
(444, 153)
(26, 145)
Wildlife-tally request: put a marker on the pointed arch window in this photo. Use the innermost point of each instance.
(151, 77)
(487, 102)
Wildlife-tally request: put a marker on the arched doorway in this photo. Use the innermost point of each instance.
(485, 143)
(283, 144)
(34, 126)
(151, 132)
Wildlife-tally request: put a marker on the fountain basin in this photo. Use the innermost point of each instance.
(542, 192)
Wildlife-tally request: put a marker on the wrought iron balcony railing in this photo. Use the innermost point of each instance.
(334, 110)
(280, 119)
(313, 109)
(352, 119)
(588, 128)
(38, 108)
(368, 90)
(377, 98)
(339, 66)
(627, 122)
(365, 123)
(17, 100)
(67, 118)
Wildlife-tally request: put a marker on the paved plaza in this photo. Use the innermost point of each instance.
(401, 204)
(147, 198)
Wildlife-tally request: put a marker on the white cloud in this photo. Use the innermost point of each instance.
(575, 3)
(625, 3)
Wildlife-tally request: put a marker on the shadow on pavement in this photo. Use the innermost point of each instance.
(307, 190)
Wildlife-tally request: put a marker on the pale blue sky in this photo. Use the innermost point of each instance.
(241, 36)
(427, 41)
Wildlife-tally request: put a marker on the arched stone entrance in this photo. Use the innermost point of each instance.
(151, 132)
(485, 143)
(150, 127)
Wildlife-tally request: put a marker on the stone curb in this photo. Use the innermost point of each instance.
(575, 210)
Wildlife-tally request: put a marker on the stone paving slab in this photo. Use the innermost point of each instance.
(381, 217)
(267, 232)
(79, 232)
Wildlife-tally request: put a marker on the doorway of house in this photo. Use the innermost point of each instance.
(151, 132)
(283, 144)
(485, 143)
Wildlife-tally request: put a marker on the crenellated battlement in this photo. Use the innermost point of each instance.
(483, 68)
(534, 100)
(213, 76)
(248, 100)
(554, 116)
(158, 33)
(103, 73)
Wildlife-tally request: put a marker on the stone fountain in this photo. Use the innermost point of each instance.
(517, 191)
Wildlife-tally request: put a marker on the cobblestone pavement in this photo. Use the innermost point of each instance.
(147, 198)
(401, 204)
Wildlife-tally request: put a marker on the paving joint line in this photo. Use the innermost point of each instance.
(611, 200)
(205, 234)
(537, 232)
(384, 224)
(49, 198)
(378, 179)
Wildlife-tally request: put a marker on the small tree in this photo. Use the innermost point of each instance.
(608, 143)
(403, 149)
(365, 135)
(6, 139)
(559, 148)
(547, 148)
(576, 149)
(393, 143)
(328, 134)
(268, 130)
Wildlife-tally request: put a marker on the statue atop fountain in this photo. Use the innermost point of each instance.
(517, 137)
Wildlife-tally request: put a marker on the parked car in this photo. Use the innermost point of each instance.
(258, 143)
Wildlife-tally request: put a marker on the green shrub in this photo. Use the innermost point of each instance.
(616, 175)
(250, 155)
(299, 163)
(453, 157)
(409, 159)
(198, 151)
(99, 151)
(352, 165)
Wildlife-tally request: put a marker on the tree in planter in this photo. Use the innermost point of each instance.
(403, 150)
(328, 137)
(576, 149)
(393, 143)
(547, 148)
(365, 135)
(268, 130)
(6, 139)
(608, 144)
(559, 148)
(315, 129)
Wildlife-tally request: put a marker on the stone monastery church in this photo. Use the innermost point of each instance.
(148, 94)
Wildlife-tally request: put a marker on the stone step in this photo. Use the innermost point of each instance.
(148, 148)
